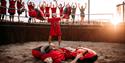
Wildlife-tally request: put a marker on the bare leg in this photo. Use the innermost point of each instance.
(18, 18)
(49, 40)
(0, 17)
(59, 40)
(81, 20)
(13, 18)
(10, 18)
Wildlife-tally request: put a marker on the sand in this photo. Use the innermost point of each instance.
(21, 52)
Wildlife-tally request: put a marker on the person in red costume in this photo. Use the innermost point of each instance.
(20, 8)
(31, 11)
(2, 9)
(11, 9)
(47, 9)
(55, 28)
(61, 9)
(67, 12)
(46, 54)
(53, 8)
(53, 54)
(42, 8)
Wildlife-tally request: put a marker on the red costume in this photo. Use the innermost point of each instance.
(67, 12)
(12, 7)
(32, 12)
(55, 26)
(61, 11)
(3, 7)
(53, 10)
(54, 54)
(42, 9)
(19, 6)
(47, 11)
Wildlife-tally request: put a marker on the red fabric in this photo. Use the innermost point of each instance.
(36, 53)
(12, 6)
(47, 11)
(53, 10)
(42, 9)
(61, 11)
(67, 53)
(55, 26)
(67, 14)
(19, 5)
(41, 16)
(57, 56)
(90, 54)
(3, 8)
(32, 12)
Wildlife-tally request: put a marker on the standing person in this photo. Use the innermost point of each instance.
(19, 10)
(31, 11)
(61, 9)
(53, 9)
(11, 9)
(55, 28)
(3, 9)
(73, 11)
(67, 12)
(47, 8)
(42, 8)
(82, 13)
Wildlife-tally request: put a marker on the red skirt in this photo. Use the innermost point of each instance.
(11, 11)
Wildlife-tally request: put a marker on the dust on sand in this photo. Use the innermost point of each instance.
(21, 52)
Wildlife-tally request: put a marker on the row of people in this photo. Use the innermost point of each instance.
(12, 9)
(65, 10)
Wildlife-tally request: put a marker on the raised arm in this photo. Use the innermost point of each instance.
(85, 5)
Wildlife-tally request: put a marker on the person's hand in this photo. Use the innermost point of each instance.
(48, 60)
(73, 62)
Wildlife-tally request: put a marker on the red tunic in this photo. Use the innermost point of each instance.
(90, 54)
(61, 11)
(32, 12)
(3, 7)
(47, 11)
(56, 55)
(19, 6)
(42, 9)
(55, 26)
(12, 7)
(53, 10)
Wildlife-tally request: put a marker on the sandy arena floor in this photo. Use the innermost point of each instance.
(21, 53)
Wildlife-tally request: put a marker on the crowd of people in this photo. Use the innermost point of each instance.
(43, 10)
(14, 5)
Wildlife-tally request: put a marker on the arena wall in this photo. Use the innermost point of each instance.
(25, 32)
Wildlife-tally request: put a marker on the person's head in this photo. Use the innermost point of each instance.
(60, 5)
(73, 6)
(30, 3)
